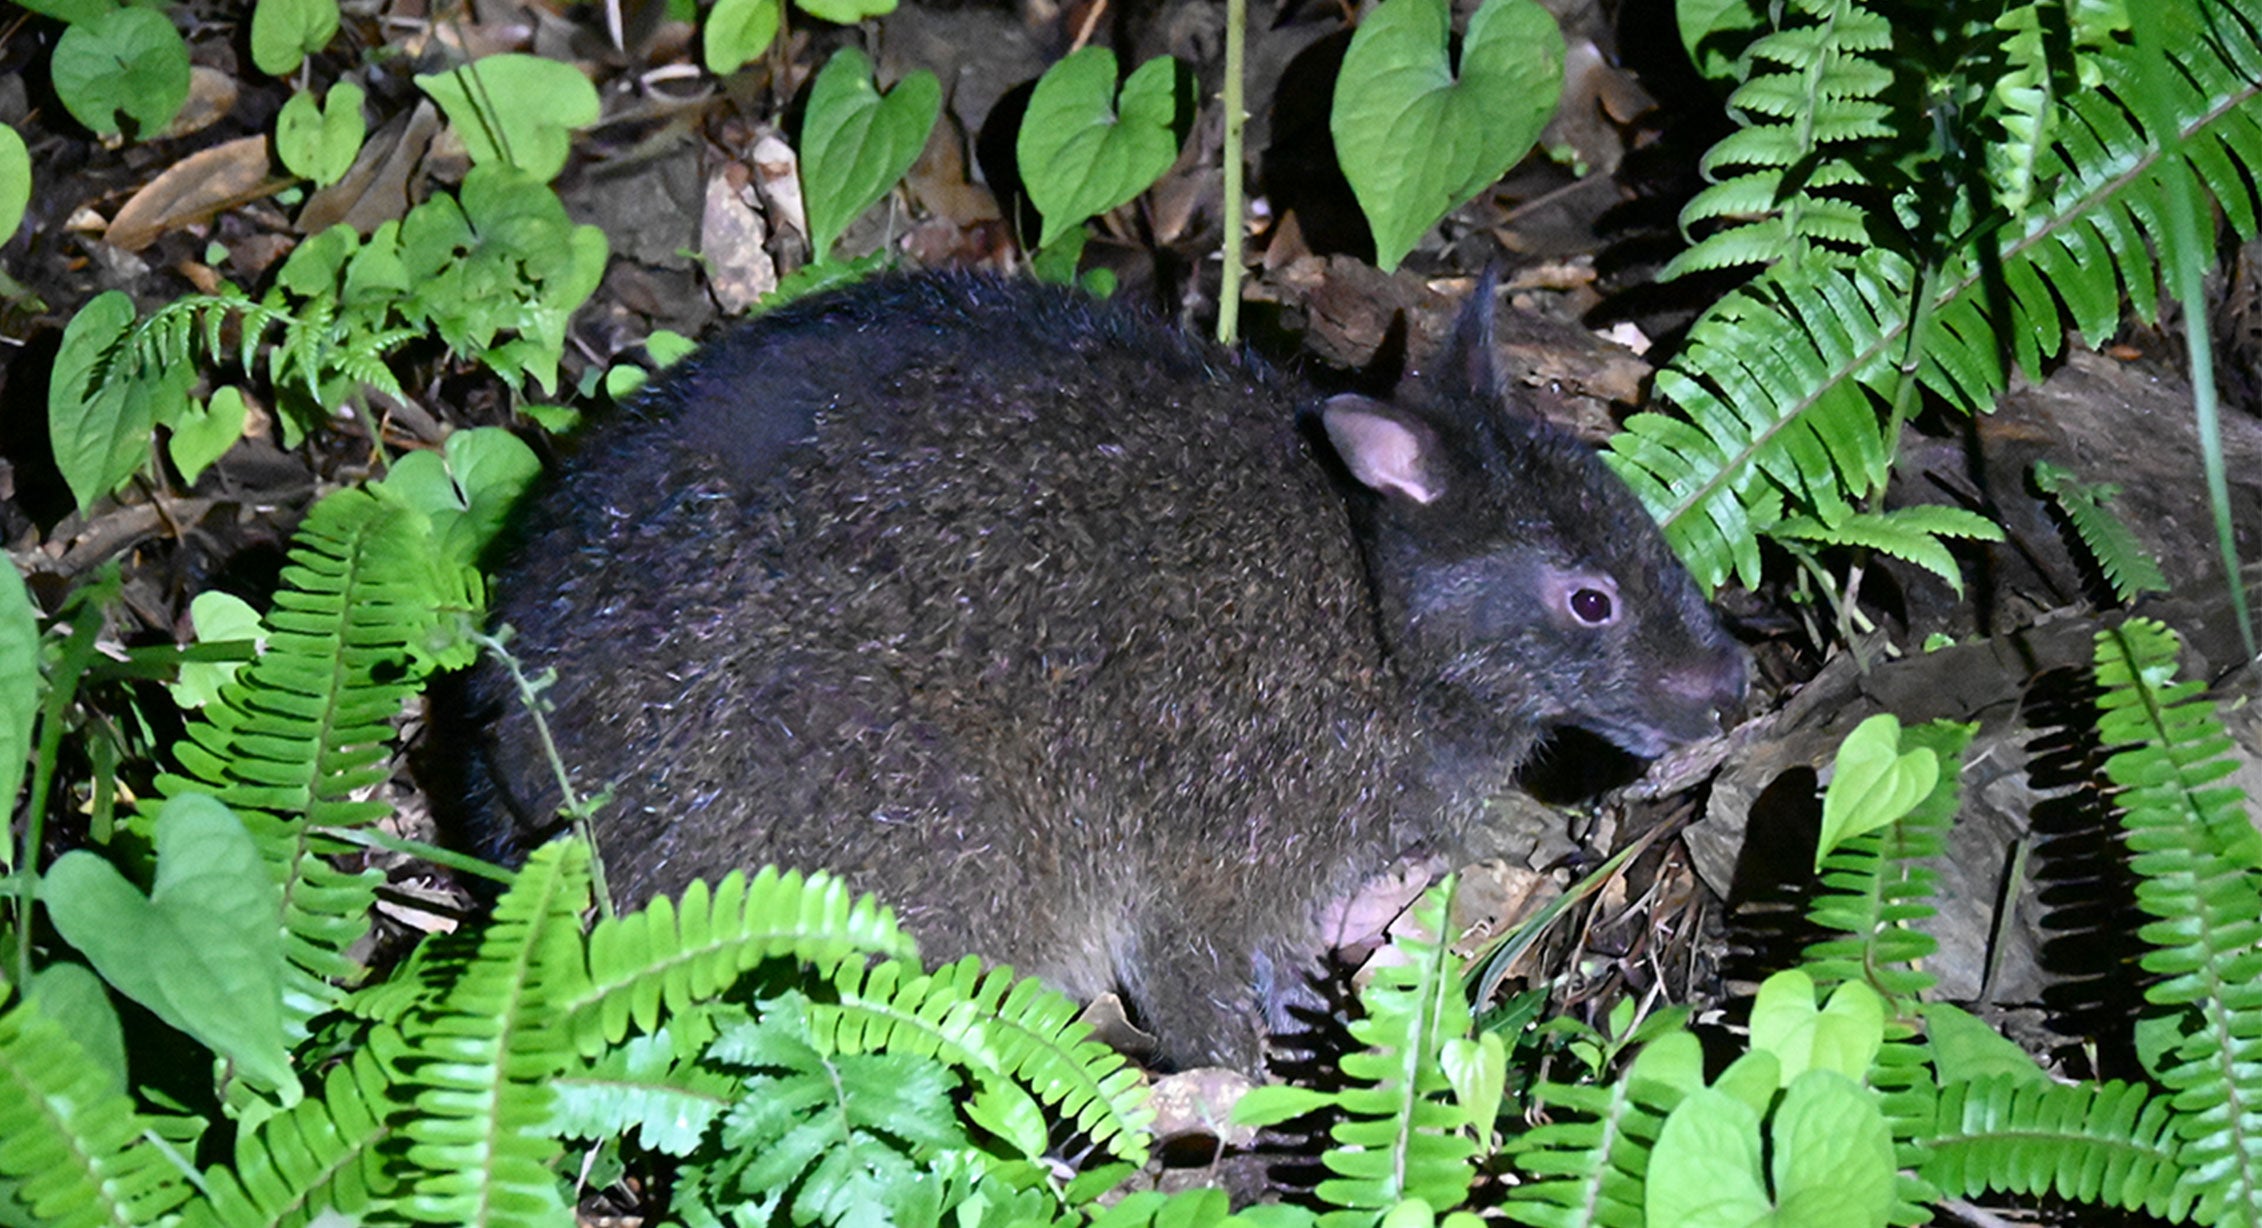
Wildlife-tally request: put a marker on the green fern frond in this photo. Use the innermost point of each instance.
(321, 1158)
(2200, 865)
(308, 350)
(2026, 106)
(1813, 89)
(71, 1142)
(1908, 1092)
(1795, 356)
(2128, 567)
(1586, 1164)
(2109, 1143)
(1912, 533)
(676, 955)
(1784, 419)
(1405, 1133)
(1020, 1040)
(302, 729)
(1878, 887)
(653, 1086)
(837, 1136)
(479, 1134)
(298, 739)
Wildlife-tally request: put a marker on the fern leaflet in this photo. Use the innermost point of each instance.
(479, 1139)
(1775, 382)
(2200, 862)
(1405, 1134)
(1019, 1039)
(2128, 568)
(1588, 1169)
(1786, 189)
(677, 955)
(298, 738)
(321, 1158)
(841, 1136)
(2094, 1143)
(79, 1154)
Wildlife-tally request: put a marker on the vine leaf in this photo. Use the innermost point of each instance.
(1844, 1034)
(202, 951)
(1415, 142)
(285, 32)
(128, 59)
(206, 431)
(516, 110)
(856, 142)
(321, 141)
(738, 30)
(15, 181)
(1873, 784)
(1082, 149)
(1828, 1157)
(101, 427)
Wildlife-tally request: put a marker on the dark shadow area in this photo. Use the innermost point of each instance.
(2081, 876)
(1774, 884)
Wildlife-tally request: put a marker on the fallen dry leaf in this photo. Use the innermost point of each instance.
(376, 189)
(194, 189)
(212, 94)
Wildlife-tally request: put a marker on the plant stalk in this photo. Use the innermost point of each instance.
(1236, 208)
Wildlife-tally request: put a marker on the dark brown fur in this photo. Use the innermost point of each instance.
(1060, 631)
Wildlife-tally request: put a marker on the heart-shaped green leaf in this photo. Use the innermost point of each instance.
(856, 142)
(1873, 783)
(321, 142)
(128, 59)
(204, 950)
(845, 12)
(219, 618)
(737, 31)
(1832, 1157)
(285, 32)
(203, 432)
(1783, 1008)
(465, 489)
(516, 110)
(1705, 1170)
(1416, 143)
(100, 428)
(1083, 149)
(1843, 1035)
(15, 181)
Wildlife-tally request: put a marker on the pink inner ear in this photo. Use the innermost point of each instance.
(1385, 454)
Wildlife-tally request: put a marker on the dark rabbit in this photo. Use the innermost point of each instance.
(1067, 635)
